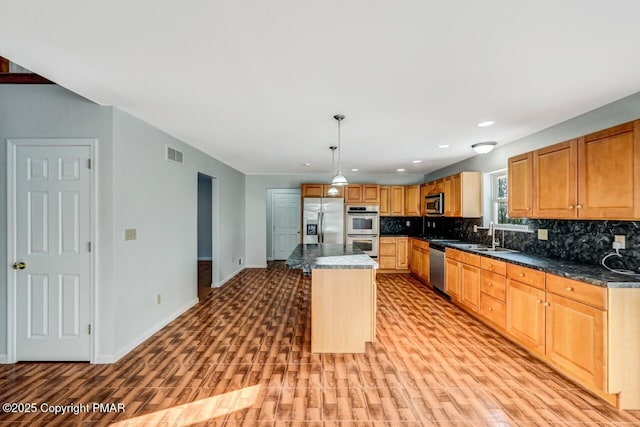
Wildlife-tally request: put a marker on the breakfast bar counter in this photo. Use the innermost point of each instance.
(343, 296)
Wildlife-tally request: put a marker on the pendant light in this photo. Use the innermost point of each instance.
(339, 180)
(333, 190)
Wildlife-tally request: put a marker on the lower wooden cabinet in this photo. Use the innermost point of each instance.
(470, 286)
(452, 275)
(402, 253)
(525, 315)
(393, 253)
(419, 260)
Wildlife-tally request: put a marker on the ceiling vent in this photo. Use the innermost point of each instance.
(174, 155)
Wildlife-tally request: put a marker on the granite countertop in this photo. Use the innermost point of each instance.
(329, 255)
(593, 274)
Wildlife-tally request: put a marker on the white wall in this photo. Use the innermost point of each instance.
(256, 203)
(621, 111)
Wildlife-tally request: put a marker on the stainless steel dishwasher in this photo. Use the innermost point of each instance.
(436, 269)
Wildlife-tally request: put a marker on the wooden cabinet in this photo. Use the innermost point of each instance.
(393, 253)
(423, 194)
(525, 315)
(470, 286)
(368, 194)
(555, 190)
(493, 293)
(462, 269)
(453, 195)
(463, 195)
(385, 200)
(412, 200)
(596, 176)
(402, 253)
(520, 192)
(609, 173)
(419, 263)
(452, 278)
(319, 190)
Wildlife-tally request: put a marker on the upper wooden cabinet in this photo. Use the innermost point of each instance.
(424, 188)
(596, 176)
(555, 176)
(362, 193)
(520, 175)
(385, 200)
(412, 200)
(463, 195)
(319, 190)
(391, 200)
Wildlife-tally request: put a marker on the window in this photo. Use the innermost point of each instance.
(499, 208)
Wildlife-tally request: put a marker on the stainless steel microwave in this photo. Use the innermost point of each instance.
(434, 204)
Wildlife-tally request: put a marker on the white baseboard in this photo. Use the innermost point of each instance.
(102, 359)
(257, 266)
(4, 359)
(269, 258)
(226, 279)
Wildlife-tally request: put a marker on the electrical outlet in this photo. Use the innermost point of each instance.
(158, 298)
(130, 234)
(543, 234)
(475, 228)
(239, 261)
(233, 260)
(408, 223)
(621, 240)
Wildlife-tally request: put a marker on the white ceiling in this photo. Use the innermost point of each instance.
(255, 83)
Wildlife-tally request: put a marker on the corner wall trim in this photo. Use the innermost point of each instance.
(102, 359)
(226, 279)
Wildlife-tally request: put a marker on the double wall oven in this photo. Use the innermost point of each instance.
(362, 228)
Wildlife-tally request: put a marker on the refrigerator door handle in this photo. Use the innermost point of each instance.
(322, 226)
(319, 231)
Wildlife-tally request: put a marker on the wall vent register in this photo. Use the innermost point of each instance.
(174, 155)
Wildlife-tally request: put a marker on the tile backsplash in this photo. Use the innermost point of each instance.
(583, 241)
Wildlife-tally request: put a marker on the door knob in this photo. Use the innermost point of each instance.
(19, 265)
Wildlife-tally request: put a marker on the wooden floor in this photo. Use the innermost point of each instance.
(241, 357)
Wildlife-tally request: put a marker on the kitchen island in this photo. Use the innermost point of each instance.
(343, 296)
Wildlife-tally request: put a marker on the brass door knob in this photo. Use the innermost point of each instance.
(19, 265)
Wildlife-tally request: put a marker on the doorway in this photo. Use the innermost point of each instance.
(283, 222)
(50, 235)
(205, 235)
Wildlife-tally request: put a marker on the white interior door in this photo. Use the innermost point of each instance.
(52, 235)
(286, 220)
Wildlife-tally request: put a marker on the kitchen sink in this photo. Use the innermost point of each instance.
(483, 249)
(472, 246)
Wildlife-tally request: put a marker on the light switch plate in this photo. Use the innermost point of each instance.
(130, 234)
(543, 234)
(620, 238)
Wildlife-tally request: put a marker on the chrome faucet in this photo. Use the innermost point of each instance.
(492, 232)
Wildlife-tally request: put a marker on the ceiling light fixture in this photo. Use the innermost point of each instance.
(333, 191)
(355, 170)
(416, 161)
(306, 164)
(444, 146)
(339, 180)
(485, 124)
(400, 169)
(484, 147)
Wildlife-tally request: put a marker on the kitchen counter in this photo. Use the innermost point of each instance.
(593, 274)
(329, 256)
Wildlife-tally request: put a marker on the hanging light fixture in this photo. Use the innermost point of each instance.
(333, 191)
(339, 179)
(484, 147)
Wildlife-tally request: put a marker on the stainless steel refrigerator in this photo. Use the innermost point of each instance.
(323, 220)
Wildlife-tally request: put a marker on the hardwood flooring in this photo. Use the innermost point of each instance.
(242, 357)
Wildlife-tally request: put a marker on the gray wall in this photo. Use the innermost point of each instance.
(137, 188)
(621, 111)
(256, 203)
(204, 217)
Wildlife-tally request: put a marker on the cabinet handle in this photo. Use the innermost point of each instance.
(490, 283)
(521, 274)
(547, 304)
(528, 208)
(490, 265)
(571, 206)
(578, 206)
(539, 301)
(569, 289)
(490, 308)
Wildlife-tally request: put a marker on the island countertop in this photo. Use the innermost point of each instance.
(329, 256)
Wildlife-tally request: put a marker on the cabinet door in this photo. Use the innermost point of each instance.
(325, 191)
(412, 200)
(575, 335)
(448, 197)
(555, 181)
(424, 255)
(469, 286)
(312, 190)
(402, 252)
(387, 253)
(397, 200)
(438, 186)
(423, 194)
(371, 194)
(609, 173)
(520, 175)
(452, 278)
(416, 261)
(525, 315)
(385, 196)
(456, 195)
(353, 193)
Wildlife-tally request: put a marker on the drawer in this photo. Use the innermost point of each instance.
(526, 275)
(420, 243)
(577, 291)
(463, 257)
(387, 248)
(493, 284)
(494, 265)
(387, 262)
(493, 310)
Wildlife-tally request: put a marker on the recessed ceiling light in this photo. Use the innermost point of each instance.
(306, 164)
(486, 123)
(355, 170)
(444, 146)
(400, 169)
(416, 161)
